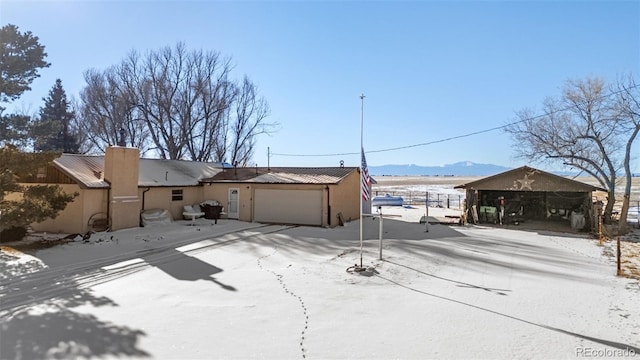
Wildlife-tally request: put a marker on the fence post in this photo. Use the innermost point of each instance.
(426, 215)
(448, 204)
(600, 227)
(619, 253)
(380, 233)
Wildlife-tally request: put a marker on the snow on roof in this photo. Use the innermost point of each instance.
(89, 171)
(159, 172)
(283, 175)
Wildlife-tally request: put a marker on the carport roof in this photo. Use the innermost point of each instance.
(282, 175)
(88, 171)
(528, 179)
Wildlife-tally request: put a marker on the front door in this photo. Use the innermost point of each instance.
(234, 202)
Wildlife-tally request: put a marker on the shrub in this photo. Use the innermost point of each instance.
(15, 233)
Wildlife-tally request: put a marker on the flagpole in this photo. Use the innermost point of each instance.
(361, 170)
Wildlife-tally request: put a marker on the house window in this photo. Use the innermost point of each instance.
(42, 174)
(176, 195)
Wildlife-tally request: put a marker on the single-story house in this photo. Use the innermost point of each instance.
(530, 194)
(116, 188)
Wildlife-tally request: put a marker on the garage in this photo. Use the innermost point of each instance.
(530, 196)
(324, 196)
(302, 207)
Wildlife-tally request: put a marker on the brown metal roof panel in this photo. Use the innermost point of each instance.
(87, 170)
(289, 178)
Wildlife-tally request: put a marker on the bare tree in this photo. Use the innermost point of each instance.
(184, 100)
(578, 130)
(106, 107)
(211, 95)
(247, 120)
(77, 126)
(628, 102)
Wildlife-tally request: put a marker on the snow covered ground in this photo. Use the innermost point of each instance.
(248, 291)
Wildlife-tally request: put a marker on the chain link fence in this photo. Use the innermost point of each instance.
(418, 198)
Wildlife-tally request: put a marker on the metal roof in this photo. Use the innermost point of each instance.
(528, 179)
(89, 171)
(86, 170)
(159, 172)
(283, 175)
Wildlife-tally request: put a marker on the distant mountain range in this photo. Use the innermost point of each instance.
(463, 168)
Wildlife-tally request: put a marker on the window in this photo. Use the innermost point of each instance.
(176, 195)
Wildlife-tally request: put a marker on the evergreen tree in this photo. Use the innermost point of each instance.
(53, 130)
(27, 204)
(21, 56)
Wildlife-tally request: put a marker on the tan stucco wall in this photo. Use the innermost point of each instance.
(75, 217)
(160, 198)
(121, 168)
(220, 193)
(345, 198)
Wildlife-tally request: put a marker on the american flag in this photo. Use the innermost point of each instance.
(366, 181)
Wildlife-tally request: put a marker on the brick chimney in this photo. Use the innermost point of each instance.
(121, 167)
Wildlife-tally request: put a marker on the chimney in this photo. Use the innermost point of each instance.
(121, 168)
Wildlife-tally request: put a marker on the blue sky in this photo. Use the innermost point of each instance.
(430, 70)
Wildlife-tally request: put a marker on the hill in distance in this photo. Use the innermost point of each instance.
(463, 168)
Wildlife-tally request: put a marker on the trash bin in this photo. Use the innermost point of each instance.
(211, 212)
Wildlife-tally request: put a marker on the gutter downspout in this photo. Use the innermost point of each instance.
(328, 206)
(108, 206)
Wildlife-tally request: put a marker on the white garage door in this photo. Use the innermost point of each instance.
(303, 207)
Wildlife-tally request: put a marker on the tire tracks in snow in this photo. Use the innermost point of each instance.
(287, 291)
(26, 290)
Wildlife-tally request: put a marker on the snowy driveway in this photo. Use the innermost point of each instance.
(246, 291)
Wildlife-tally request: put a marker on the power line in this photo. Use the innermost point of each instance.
(453, 137)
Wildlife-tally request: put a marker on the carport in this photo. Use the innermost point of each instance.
(528, 194)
